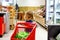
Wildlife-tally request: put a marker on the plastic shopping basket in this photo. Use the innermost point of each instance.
(25, 26)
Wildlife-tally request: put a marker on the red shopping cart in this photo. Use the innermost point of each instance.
(25, 27)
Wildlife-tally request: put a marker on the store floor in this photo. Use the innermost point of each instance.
(41, 34)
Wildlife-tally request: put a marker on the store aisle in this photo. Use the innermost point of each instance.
(41, 34)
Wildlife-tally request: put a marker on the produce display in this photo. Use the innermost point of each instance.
(21, 35)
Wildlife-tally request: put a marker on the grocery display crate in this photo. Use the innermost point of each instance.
(24, 27)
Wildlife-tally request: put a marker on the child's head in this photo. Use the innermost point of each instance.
(29, 15)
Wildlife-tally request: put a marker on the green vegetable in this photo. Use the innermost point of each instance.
(21, 35)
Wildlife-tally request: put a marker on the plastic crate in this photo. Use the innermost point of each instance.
(25, 26)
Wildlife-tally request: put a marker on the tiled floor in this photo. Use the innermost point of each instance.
(41, 34)
(7, 36)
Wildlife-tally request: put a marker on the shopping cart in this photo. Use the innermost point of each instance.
(25, 27)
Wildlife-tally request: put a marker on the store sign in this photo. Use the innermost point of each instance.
(10, 1)
(7, 2)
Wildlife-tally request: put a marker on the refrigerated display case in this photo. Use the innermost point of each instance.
(52, 12)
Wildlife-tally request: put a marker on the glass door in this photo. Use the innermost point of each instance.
(50, 12)
(57, 12)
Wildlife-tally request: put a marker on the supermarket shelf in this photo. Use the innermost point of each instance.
(42, 26)
(40, 20)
